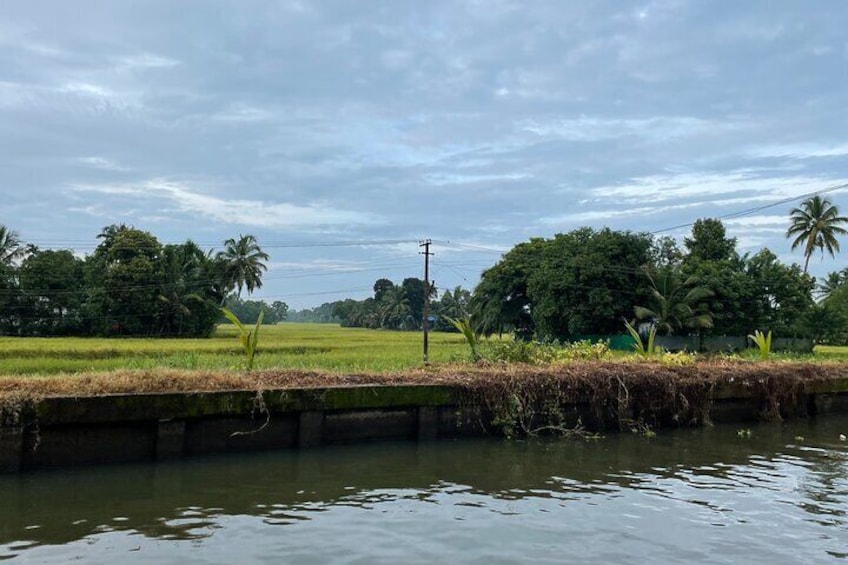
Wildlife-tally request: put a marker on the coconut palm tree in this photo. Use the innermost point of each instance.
(243, 263)
(394, 308)
(182, 297)
(832, 283)
(815, 225)
(10, 246)
(674, 302)
(455, 304)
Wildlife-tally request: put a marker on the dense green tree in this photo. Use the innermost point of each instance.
(52, 292)
(709, 242)
(413, 290)
(346, 311)
(579, 283)
(749, 293)
(381, 287)
(501, 302)
(322, 314)
(243, 263)
(780, 296)
(248, 310)
(588, 282)
(828, 321)
(280, 310)
(665, 253)
(816, 224)
(124, 277)
(731, 294)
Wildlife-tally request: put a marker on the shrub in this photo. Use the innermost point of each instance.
(584, 349)
(763, 343)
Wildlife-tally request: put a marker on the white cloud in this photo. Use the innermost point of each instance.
(101, 163)
(659, 128)
(757, 221)
(234, 211)
(85, 88)
(95, 210)
(442, 179)
(243, 113)
(146, 61)
(749, 184)
(318, 265)
(800, 150)
(684, 191)
(606, 215)
(101, 97)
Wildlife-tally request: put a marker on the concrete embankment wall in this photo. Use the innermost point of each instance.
(56, 432)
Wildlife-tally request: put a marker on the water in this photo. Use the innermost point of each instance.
(697, 496)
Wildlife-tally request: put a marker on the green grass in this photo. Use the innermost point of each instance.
(297, 346)
(831, 352)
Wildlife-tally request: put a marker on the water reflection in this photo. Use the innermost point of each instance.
(622, 490)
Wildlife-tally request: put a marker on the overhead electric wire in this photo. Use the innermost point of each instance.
(756, 209)
(87, 244)
(396, 261)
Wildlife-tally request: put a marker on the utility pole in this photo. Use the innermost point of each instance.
(426, 253)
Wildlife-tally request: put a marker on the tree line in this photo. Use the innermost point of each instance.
(392, 307)
(589, 282)
(583, 283)
(131, 285)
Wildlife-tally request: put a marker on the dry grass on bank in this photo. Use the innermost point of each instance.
(576, 373)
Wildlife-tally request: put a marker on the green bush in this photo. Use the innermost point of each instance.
(584, 349)
(543, 353)
(509, 351)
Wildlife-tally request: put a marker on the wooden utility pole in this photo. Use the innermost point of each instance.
(426, 253)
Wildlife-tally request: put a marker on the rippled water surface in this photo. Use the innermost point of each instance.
(697, 496)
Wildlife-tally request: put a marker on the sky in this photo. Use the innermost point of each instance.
(341, 134)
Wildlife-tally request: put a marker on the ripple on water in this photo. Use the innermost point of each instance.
(763, 500)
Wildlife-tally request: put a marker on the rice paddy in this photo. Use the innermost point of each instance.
(321, 347)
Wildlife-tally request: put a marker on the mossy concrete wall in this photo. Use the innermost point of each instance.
(55, 432)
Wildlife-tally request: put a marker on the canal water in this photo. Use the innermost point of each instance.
(720, 495)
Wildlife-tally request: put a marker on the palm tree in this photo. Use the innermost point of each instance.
(816, 224)
(455, 304)
(832, 283)
(394, 308)
(181, 296)
(674, 302)
(10, 246)
(243, 263)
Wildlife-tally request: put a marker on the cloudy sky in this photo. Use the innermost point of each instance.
(340, 133)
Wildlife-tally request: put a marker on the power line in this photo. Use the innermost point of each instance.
(87, 244)
(756, 209)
